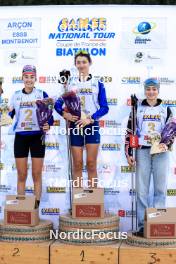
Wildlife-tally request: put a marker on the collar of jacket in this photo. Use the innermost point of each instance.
(145, 103)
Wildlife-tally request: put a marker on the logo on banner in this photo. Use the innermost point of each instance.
(51, 145)
(144, 32)
(139, 57)
(5, 188)
(22, 57)
(166, 80)
(146, 57)
(143, 29)
(89, 34)
(111, 191)
(130, 213)
(50, 211)
(109, 123)
(105, 168)
(29, 189)
(20, 32)
(169, 102)
(55, 189)
(16, 80)
(121, 213)
(131, 80)
(127, 213)
(111, 146)
(112, 101)
(171, 192)
(48, 79)
(127, 169)
(51, 168)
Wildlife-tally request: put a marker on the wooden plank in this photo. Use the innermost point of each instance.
(139, 255)
(90, 254)
(24, 253)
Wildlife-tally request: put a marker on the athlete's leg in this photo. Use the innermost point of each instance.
(92, 153)
(21, 165)
(37, 164)
(21, 150)
(77, 157)
(143, 176)
(160, 165)
(37, 149)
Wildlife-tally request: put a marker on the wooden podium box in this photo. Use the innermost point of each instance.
(90, 254)
(24, 253)
(138, 255)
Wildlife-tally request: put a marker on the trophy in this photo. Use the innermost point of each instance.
(5, 118)
(160, 143)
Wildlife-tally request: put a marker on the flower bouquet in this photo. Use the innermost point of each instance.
(44, 110)
(73, 104)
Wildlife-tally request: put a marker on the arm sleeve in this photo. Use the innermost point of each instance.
(51, 120)
(45, 95)
(103, 110)
(169, 114)
(58, 106)
(11, 107)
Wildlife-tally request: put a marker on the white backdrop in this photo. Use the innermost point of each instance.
(127, 44)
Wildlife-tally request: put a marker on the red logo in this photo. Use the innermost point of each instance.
(14, 217)
(88, 210)
(129, 102)
(42, 79)
(133, 141)
(102, 123)
(164, 230)
(121, 213)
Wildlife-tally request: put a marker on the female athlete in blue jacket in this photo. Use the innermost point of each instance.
(94, 104)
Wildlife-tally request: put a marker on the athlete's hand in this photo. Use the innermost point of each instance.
(163, 147)
(46, 127)
(131, 160)
(69, 117)
(83, 122)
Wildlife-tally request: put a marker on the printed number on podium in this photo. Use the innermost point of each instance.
(82, 254)
(16, 252)
(154, 258)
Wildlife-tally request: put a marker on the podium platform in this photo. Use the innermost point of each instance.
(140, 255)
(77, 254)
(24, 253)
(56, 252)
